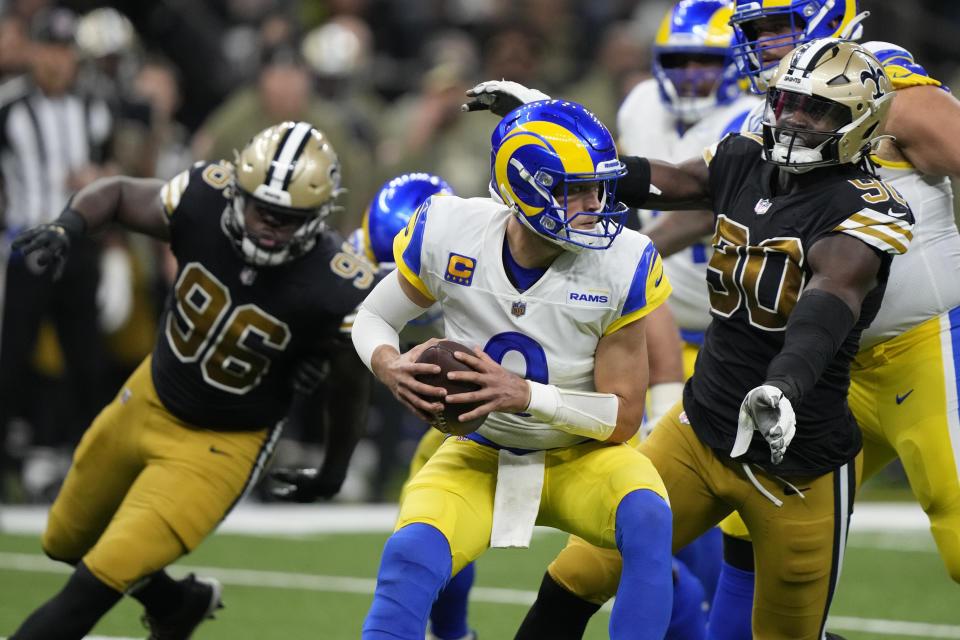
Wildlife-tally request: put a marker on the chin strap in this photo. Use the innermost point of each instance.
(854, 30)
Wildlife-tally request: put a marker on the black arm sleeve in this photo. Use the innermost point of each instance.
(347, 396)
(633, 189)
(817, 327)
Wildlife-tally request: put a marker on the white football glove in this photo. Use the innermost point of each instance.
(767, 410)
(500, 96)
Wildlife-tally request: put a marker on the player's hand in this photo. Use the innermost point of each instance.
(309, 375)
(400, 372)
(49, 242)
(768, 411)
(304, 485)
(500, 389)
(500, 96)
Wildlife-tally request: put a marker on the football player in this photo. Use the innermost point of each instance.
(261, 286)
(823, 115)
(543, 282)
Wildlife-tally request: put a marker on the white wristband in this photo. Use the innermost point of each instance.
(662, 398)
(582, 413)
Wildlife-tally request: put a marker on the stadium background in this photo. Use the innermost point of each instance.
(188, 79)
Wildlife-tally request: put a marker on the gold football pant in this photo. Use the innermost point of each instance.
(145, 487)
(903, 393)
(798, 546)
(582, 487)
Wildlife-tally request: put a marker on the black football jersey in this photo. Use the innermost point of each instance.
(756, 274)
(231, 333)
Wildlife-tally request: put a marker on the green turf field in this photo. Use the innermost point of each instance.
(320, 586)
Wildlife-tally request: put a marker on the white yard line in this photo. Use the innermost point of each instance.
(340, 584)
(283, 519)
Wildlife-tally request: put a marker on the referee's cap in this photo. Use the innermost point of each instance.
(55, 26)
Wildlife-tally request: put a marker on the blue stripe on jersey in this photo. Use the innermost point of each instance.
(735, 125)
(901, 58)
(411, 254)
(954, 316)
(637, 296)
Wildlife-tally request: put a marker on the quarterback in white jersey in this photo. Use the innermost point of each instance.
(552, 294)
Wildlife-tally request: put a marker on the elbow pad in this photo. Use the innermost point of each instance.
(381, 316)
(583, 413)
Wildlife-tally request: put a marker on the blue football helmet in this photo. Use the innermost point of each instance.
(802, 20)
(696, 31)
(391, 209)
(543, 150)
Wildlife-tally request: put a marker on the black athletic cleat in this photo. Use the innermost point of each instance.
(833, 636)
(201, 598)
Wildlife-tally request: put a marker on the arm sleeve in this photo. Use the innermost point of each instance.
(381, 316)
(817, 327)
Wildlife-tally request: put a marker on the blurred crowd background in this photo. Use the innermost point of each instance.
(188, 80)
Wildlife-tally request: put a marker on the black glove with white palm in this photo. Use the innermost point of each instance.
(767, 410)
(500, 97)
(306, 485)
(50, 243)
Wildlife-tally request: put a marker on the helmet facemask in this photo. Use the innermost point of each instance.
(253, 248)
(801, 132)
(693, 92)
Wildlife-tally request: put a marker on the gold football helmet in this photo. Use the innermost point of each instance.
(287, 170)
(826, 106)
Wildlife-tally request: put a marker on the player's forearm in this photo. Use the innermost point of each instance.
(656, 184)
(584, 413)
(347, 400)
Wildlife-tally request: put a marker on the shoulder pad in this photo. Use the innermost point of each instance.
(900, 65)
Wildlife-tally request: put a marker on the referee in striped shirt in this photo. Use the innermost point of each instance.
(52, 141)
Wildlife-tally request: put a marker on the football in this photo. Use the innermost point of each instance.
(441, 353)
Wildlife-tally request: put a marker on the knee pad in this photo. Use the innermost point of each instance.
(132, 549)
(589, 572)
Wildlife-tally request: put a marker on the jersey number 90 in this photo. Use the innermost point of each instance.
(766, 278)
(227, 360)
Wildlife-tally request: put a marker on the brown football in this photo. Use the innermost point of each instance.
(441, 353)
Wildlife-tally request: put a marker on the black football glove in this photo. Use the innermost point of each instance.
(305, 485)
(500, 96)
(309, 374)
(51, 241)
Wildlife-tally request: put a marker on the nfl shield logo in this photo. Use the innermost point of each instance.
(248, 275)
(518, 309)
(762, 206)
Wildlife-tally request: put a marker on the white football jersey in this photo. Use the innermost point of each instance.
(923, 281)
(647, 129)
(452, 251)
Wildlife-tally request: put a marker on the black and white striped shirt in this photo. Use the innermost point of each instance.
(42, 140)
